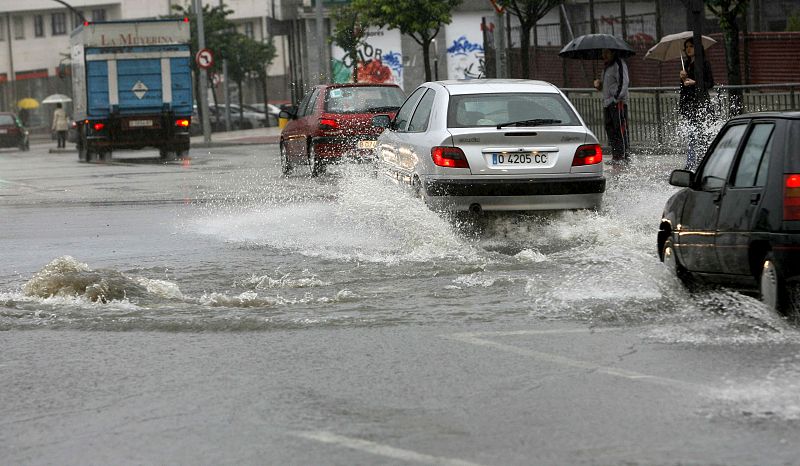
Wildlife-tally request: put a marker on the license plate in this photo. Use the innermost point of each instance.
(366, 144)
(140, 123)
(3, 131)
(520, 158)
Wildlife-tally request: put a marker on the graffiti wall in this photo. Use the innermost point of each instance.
(465, 57)
(380, 59)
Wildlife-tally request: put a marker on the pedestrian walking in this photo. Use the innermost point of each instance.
(614, 86)
(60, 125)
(694, 106)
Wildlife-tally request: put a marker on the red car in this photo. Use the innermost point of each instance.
(12, 133)
(333, 122)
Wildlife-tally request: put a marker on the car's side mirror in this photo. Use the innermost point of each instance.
(290, 113)
(681, 178)
(381, 121)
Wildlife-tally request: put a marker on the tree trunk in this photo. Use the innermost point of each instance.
(731, 36)
(524, 48)
(426, 58)
(241, 105)
(266, 98)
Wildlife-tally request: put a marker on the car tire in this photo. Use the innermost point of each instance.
(316, 165)
(286, 167)
(673, 264)
(775, 292)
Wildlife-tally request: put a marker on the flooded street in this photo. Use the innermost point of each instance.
(211, 311)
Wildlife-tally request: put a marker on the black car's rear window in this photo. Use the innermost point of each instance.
(471, 110)
(6, 120)
(363, 99)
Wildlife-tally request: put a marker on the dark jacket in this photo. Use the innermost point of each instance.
(690, 105)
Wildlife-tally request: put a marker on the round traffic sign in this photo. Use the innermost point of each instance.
(204, 58)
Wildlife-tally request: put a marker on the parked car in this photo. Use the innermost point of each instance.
(493, 145)
(736, 221)
(12, 132)
(272, 111)
(249, 119)
(333, 121)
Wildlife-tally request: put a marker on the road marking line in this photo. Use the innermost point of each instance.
(472, 338)
(381, 450)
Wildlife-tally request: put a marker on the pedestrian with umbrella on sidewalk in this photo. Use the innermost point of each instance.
(613, 83)
(693, 106)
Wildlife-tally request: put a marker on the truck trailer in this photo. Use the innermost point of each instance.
(132, 87)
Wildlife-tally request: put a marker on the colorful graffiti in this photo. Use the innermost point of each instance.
(377, 61)
(465, 59)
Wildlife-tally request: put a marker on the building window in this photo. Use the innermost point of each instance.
(38, 25)
(99, 15)
(19, 27)
(2, 29)
(76, 19)
(248, 30)
(59, 24)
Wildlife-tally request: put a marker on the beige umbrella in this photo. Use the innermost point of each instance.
(671, 47)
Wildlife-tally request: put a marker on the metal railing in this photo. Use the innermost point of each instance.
(653, 111)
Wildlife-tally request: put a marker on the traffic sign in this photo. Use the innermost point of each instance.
(204, 59)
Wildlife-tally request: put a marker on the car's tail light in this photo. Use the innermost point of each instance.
(182, 122)
(328, 123)
(588, 154)
(98, 126)
(452, 157)
(791, 197)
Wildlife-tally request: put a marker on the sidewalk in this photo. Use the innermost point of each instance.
(243, 137)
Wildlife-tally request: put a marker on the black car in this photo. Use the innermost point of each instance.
(737, 220)
(12, 132)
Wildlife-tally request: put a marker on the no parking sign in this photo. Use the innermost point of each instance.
(204, 58)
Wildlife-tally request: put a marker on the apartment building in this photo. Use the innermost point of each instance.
(34, 38)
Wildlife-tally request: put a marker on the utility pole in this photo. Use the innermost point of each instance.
(201, 44)
(321, 68)
(500, 45)
(226, 89)
(697, 9)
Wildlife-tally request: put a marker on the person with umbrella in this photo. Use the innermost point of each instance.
(614, 86)
(60, 125)
(693, 105)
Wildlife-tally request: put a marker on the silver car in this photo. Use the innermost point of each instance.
(492, 144)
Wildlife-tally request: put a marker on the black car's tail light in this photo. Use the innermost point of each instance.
(451, 157)
(791, 197)
(588, 154)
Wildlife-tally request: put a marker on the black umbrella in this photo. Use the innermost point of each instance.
(590, 46)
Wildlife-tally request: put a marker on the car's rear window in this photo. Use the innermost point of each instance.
(471, 110)
(6, 120)
(363, 99)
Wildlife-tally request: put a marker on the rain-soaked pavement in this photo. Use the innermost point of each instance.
(212, 311)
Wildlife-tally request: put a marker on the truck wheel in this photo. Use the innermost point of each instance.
(105, 156)
(182, 153)
(167, 155)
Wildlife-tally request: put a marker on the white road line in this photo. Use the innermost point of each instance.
(381, 450)
(472, 338)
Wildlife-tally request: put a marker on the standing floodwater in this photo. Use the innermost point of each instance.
(292, 319)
